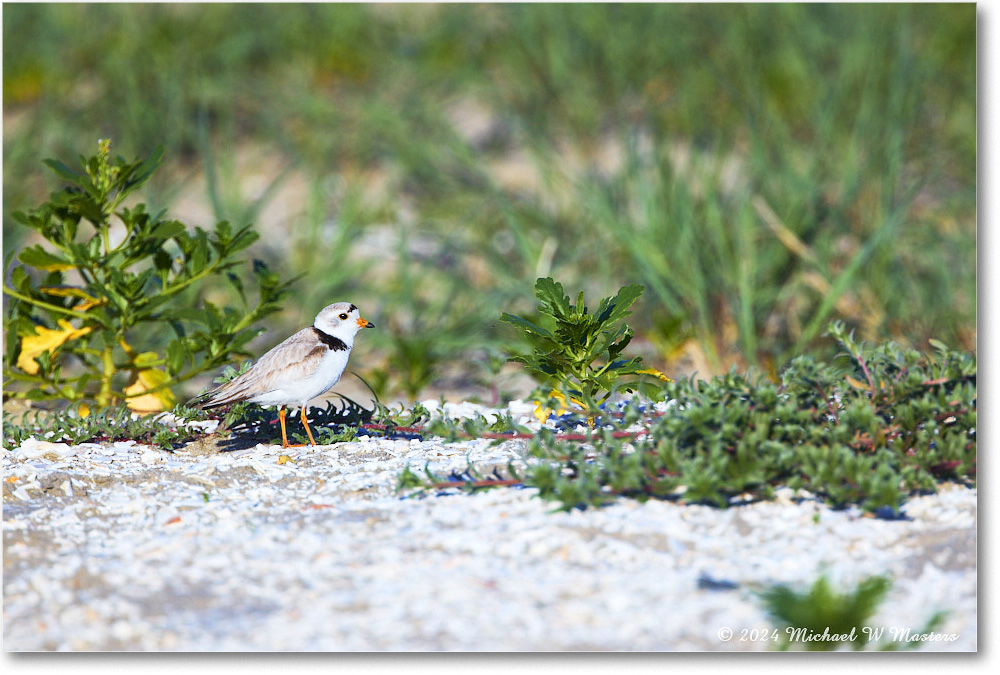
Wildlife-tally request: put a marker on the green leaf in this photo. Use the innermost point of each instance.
(24, 219)
(626, 367)
(618, 307)
(243, 239)
(39, 258)
(237, 283)
(554, 300)
(177, 354)
(145, 170)
(167, 229)
(20, 279)
(938, 345)
(526, 325)
(62, 170)
(192, 314)
(199, 256)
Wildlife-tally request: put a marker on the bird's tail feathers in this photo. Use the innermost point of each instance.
(230, 392)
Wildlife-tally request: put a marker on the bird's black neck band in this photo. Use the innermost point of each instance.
(334, 343)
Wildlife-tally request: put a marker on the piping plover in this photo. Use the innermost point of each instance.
(300, 368)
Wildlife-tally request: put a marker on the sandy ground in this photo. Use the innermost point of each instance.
(125, 547)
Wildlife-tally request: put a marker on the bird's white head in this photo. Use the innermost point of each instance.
(342, 320)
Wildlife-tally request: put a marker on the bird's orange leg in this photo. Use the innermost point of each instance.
(284, 437)
(306, 425)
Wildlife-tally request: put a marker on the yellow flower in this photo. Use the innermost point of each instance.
(542, 412)
(45, 340)
(147, 403)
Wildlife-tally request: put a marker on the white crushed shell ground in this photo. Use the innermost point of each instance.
(125, 547)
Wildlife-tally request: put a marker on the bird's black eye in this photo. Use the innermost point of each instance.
(343, 317)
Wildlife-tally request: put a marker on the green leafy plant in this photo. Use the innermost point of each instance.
(821, 611)
(578, 351)
(884, 423)
(112, 276)
(117, 423)
(821, 619)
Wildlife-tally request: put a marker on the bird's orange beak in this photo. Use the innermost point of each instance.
(365, 323)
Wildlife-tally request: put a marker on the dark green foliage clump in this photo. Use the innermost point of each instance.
(821, 619)
(868, 432)
(822, 610)
(870, 429)
(105, 425)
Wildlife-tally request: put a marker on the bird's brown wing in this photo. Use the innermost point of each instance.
(295, 359)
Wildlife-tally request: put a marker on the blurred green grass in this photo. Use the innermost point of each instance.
(761, 169)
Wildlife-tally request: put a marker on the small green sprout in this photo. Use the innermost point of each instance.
(822, 619)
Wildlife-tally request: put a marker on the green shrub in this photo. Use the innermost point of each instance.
(822, 619)
(577, 351)
(79, 303)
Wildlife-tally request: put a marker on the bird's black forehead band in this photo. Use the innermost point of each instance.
(352, 308)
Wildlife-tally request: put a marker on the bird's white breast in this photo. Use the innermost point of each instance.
(289, 391)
